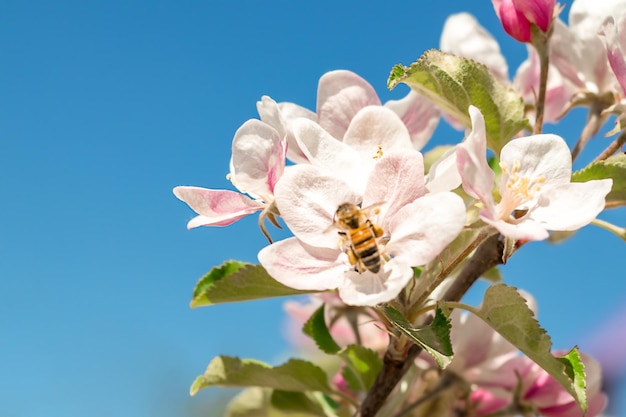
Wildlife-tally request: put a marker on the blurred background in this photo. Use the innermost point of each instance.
(107, 105)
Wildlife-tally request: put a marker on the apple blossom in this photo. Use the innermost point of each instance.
(536, 194)
(341, 95)
(417, 227)
(371, 133)
(577, 50)
(258, 161)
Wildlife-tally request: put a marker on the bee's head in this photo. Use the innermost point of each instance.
(348, 214)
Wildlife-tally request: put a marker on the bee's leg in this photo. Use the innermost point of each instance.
(352, 258)
(376, 229)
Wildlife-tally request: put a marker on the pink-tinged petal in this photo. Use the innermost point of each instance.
(539, 12)
(421, 230)
(558, 93)
(279, 115)
(462, 35)
(475, 342)
(418, 114)
(567, 54)
(369, 289)
(585, 20)
(523, 230)
(376, 129)
(216, 207)
(444, 174)
(477, 177)
(615, 42)
(340, 96)
(303, 267)
(551, 399)
(307, 200)
(570, 206)
(544, 156)
(258, 158)
(513, 21)
(397, 179)
(595, 406)
(486, 402)
(329, 154)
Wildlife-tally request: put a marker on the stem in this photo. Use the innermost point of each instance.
(595, 120)
(430, 283)
(543, 50)
(619, 231)
(487, 255)
(613, 147)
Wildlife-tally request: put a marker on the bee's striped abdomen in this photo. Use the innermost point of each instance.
(365, 247)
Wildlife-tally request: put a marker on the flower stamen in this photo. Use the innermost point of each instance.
(517, 190)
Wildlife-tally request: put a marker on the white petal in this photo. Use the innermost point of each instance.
(523, 230)
(539, 156)
(422, 229)
(444, 173)
(340, 95)
(570, 206)
(369, 289)
(329, 154)
(462, 35)
(397, 179)
(279, 116)
(302, 267)
(478, 178)
(307, 200)
(418, 114)
(257, 152)
(374, 129)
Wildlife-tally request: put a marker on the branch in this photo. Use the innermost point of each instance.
(487, 255)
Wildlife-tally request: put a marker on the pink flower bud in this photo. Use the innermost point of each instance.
(517, 16)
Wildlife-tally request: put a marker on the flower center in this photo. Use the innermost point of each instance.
(379, 152)
(517, 190)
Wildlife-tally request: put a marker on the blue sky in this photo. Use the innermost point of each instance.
(106, 106)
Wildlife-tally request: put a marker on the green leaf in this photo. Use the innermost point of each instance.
(251, 402)
(294, 375)
(492, 275)
(264, 402)
(434, 338)
(453, 83)
(316, 329)
(296, 404)
(238, 281)
(506, 311)
(365, 365)
(613, 167)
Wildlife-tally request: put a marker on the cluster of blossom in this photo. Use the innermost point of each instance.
(354, 149)
(370, 158)
(496, 378)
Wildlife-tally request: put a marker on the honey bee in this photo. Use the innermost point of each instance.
(359, 235)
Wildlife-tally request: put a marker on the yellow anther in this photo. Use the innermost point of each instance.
(379, 153)
(518, 189)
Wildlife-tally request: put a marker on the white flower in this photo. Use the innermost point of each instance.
(417, 227)
(258, 161)
(535, 188)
